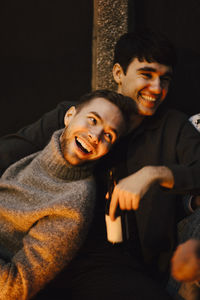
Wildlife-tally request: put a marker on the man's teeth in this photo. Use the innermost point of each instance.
(148, 98)
(83, 144)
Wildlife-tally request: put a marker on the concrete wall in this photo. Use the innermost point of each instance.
(110, 22)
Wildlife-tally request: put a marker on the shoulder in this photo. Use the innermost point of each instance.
(166, 118)
(195, 120)
(171, 115)
(18, 167)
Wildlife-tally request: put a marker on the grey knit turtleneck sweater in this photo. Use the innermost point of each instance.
(46, 206)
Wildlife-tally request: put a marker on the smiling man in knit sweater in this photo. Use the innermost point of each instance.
(47, 198)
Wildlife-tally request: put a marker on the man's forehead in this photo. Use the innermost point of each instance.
(106, 111)
(151, 66)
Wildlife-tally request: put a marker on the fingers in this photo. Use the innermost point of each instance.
(185, 265)
(128, 201)
(114, 203)
(135, 202)
(125, 200)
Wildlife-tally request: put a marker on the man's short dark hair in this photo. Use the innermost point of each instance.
(125, 104)
(144, 44)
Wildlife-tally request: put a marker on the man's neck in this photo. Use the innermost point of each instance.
(136, 120)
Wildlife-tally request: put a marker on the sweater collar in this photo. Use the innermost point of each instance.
(52, 159)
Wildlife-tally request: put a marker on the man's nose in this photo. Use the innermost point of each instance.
(155, 86)
(94, 136)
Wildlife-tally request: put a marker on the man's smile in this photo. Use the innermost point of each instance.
(92, 129)
(148, 100)
(83, 145)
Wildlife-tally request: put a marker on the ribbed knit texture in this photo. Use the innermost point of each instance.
(190, 227)
(46, 206)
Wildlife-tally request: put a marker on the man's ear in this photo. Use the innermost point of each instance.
(117, 73)
(69, 115)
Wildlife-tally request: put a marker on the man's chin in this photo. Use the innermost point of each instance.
(146, 108)
(144, 111)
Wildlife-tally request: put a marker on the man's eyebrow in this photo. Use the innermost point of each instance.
(100, 118)
(150, 69)
(96, 114)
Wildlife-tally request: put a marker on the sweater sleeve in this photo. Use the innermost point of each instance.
(47, 248)
(31, 138)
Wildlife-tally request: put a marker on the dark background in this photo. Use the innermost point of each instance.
(46, 53)
(45, 57)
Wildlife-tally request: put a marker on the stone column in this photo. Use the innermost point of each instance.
(110, 22)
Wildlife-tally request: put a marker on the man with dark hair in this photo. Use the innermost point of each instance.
(144, 45)
(47, 198)
(134, 81)
(161, 158)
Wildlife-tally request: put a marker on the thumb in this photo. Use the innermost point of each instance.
(113, 205)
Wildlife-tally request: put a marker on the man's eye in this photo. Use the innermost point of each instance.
(108, 136)
(146, 75)
(92, 120)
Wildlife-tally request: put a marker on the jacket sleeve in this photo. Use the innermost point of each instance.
(189, 228)
(47, 248)
(32, 138)
(187, 171)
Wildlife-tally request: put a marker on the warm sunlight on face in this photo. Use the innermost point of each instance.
(146, 83)
(92, 131)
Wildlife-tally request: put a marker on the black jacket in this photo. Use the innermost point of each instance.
(31, 138)
(168, 139)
